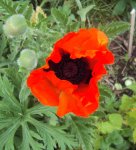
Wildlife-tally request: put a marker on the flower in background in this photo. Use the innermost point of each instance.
(71, 73)
(15, 25)
(27, 59)
(35, 16)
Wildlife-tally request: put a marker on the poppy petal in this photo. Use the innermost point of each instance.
(82, 43)
(42, 88)
(70, 103)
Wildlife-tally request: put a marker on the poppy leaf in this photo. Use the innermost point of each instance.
(53, 134)
(83, 133)
(119, 7)
(83, 12)
(115, 28)
(6, 91)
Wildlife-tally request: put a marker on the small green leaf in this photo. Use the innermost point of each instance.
(119, 7)
(83, 12)
(126, 103)
(116, 120)
(105, 127)
(114, 138)
(59, 16)
(134, 135)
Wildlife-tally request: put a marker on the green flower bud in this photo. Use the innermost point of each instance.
(128, 82)
(15, 25)
(118, 86)
(27, 59)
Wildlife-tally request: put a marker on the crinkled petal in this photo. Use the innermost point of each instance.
(46, 87)
(83, 102)
(70, 103)
(82, 43)
(42, 88)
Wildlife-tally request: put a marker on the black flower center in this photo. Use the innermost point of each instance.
(74, 70)
(70, 69)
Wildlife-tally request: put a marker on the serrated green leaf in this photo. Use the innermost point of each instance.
(115, 28)
(35, 135)
(9, 132)
(83, 133)
(6, 91)
(28, 141)
(59, 16)
(55, 134)
(39, 109)
(9, 8)
(6, 6)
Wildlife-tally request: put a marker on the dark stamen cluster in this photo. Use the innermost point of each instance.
(73, 70)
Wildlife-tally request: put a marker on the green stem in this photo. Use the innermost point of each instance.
(82, 24)
(79, 4)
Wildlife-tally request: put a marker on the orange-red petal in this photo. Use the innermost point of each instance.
(42, 88)
(82, 102)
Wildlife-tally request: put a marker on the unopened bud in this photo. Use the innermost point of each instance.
(128, 82)
(27, 59)
(15, 25)
(118, 86)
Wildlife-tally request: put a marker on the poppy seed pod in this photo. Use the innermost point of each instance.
(128, 82)
(27, 59)
(118, 86)
(15, 25)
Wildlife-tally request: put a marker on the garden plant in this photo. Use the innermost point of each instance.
(66, 79)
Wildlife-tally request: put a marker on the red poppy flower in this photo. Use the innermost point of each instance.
(69, 77)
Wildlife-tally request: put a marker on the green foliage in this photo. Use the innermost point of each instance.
(122, 5)
(8, 8)
(15, 116)
(114, 123)
(115, 28)
(134, 135)
(83, 131)
(127, 103)
(118, 123)
(24, 123)
(64, 19)
(83, 12)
